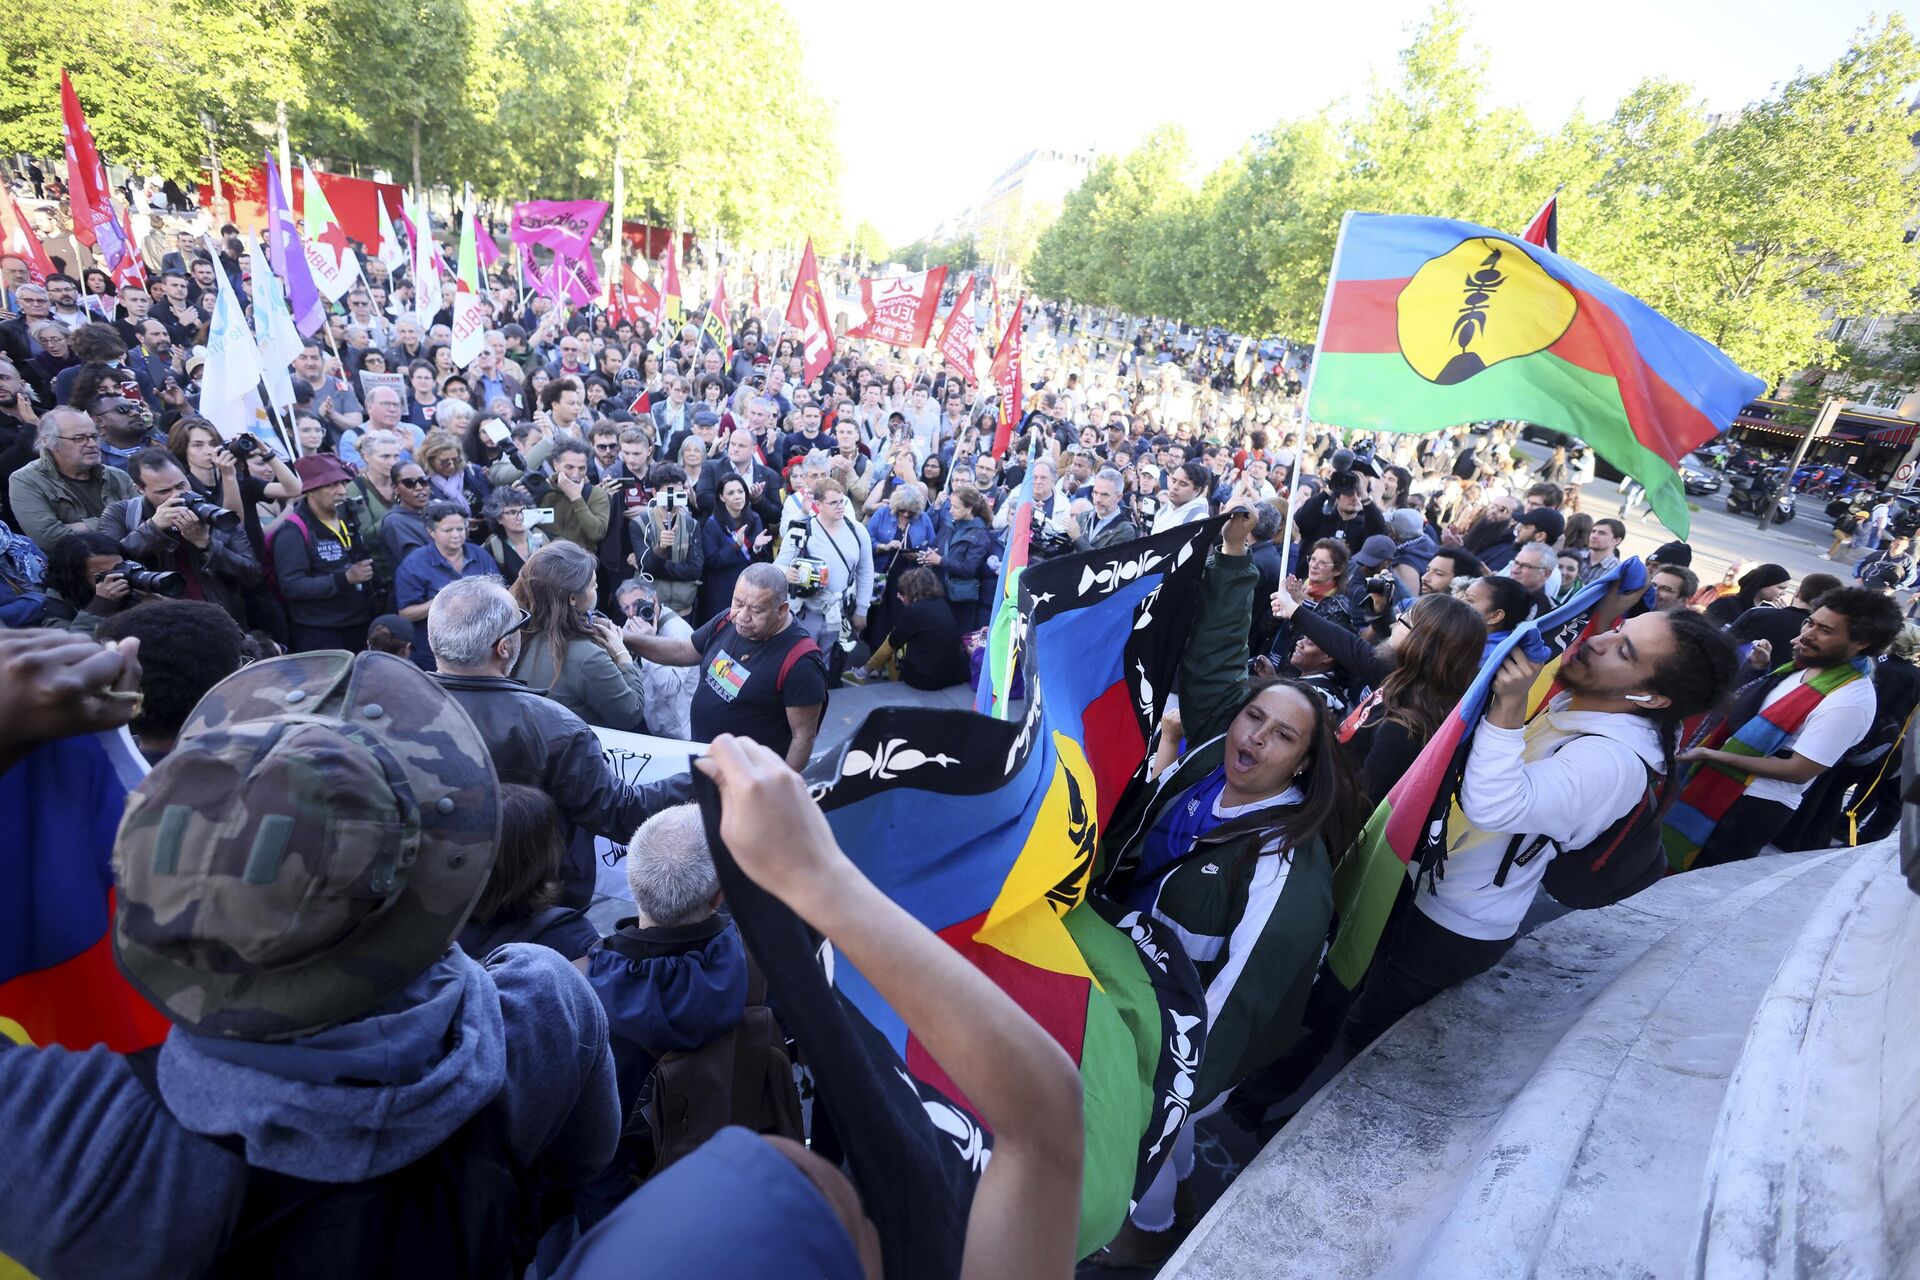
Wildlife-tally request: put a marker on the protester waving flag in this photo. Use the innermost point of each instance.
(229, 389)
(1430, 323)
(1411, 825)
(986, 832)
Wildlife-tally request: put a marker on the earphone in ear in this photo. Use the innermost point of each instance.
(1641, 698)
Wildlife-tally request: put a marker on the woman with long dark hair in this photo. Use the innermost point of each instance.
(1235, 848)
(731, 538)
(572, 654)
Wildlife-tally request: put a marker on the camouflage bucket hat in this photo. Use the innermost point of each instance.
(313, 844)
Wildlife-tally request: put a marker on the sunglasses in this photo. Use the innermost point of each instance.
(413, 482)
(520, 624)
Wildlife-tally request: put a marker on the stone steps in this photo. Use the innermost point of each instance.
(1555, 1116)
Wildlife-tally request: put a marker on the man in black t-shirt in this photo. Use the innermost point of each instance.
(761, 675)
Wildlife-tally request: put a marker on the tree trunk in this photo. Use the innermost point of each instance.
(416, 155)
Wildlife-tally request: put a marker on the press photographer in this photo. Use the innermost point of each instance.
(666, 540)
(321, 562)
(169, 528)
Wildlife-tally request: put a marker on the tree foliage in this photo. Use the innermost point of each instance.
(1751, 229)
(703, 102)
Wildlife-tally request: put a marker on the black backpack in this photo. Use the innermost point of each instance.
(468, 1210)
(745, 1077)
(1616, 864)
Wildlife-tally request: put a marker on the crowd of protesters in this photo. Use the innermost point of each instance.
(598, 522)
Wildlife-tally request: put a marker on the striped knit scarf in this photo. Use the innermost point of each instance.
(1711, 789)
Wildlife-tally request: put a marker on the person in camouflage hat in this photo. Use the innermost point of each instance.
(313, 843)
(343, 1091)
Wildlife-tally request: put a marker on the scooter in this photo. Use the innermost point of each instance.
(1749, 496)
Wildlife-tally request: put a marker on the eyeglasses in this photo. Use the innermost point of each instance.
(520, 624)
(91, 437)
(413, 482)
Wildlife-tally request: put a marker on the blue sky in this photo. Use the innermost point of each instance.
(929, 111)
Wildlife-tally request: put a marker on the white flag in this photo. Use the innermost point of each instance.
(427, 295)
(391, 251)
(275, 337)
(228, 387)
(469, 316)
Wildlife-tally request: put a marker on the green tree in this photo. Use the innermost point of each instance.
(867, 241)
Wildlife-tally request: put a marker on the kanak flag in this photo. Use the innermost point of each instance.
(1544, 230)
(959, 340)
(1007, 378)
(807, 312)
(94, 223)
(899, 310)
(17, 239)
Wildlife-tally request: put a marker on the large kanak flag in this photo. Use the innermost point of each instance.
(899, 310)
(986, 832)
(1430, 323)
(807, 312)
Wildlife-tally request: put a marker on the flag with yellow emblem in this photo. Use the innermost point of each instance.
(985, 830)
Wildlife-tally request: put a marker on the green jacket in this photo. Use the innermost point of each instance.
(1253, 917)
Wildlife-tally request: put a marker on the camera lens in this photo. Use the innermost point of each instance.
(214, 514)
(151, 581)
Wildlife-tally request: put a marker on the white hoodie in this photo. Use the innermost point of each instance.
(1516, 783)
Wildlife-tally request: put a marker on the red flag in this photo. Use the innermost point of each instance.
(18, 240)
(129, 272)
(958, 339)
(900, 309)
(807, 312)
(1544, 230)
(756, 295)
(1006, 376)
(94, 223)
(634, 299)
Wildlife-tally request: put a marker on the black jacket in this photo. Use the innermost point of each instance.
(536, 742)
(310, 571)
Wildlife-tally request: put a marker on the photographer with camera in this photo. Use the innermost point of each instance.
(169, 528)
(667, 545)
(828, 563)
(321, 563)
(666, 691)
(89, 579)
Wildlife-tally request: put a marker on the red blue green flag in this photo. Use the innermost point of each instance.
(993, 695)
(1410, 826)
(1430, 323)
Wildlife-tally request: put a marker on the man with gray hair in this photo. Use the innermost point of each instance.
(672, 976)
(1107, 525)
(474, 631)
(1537, 568)
(384, 410)
(64, 490)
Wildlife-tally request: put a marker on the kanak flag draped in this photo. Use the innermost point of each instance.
(335, 266)
(807, 312)
(58, 980)
(469, 317)
(1009, 380)
(900, 309)
(17, 239)
(986, 832)
(1430, 323)
(94, 222)
(1419, 819)
(959, 343)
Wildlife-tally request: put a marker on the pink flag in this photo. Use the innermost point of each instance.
(565, 226)
(900, 309)
(483, 244)
(958, 341)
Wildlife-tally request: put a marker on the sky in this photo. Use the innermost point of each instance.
(920, 142)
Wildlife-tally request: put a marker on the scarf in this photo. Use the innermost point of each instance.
(1709, 790)
(20, 560)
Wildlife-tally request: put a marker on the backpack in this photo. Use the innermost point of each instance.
(291, 517)
(469, 1209)
(1616, 864)
(745, 1077)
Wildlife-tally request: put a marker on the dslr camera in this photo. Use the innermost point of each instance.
(244, 446)
(211, 514)
(152, 581)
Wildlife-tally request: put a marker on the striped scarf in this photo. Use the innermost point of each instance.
(1711, 789)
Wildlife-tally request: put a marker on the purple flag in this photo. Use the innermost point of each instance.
(288, 257)
(565, 226)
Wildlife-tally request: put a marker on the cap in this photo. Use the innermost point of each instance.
(318, 470)
(1374, 552)
(1405, 523)
(1343, 482)
(1546, 520)
(1673, 553)
(705, 418)
(394, 625)
(311, 846)
(198, 356)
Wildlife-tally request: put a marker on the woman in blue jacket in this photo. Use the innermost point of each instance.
(961, 556)
(730, 539)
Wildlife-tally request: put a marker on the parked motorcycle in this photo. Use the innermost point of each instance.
(1750, 495)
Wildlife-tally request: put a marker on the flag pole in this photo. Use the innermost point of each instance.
(1306, 408)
